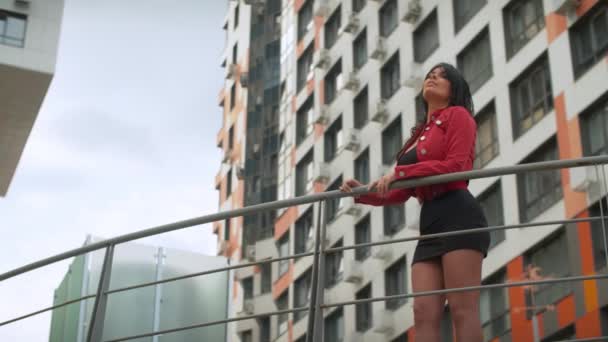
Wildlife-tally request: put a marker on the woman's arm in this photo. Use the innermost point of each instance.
(394, 196)
(460, 139)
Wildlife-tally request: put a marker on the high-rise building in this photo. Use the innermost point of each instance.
(29, 37)
(350, 77)
(159, 307)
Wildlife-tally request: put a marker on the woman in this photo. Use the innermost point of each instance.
(443, 143)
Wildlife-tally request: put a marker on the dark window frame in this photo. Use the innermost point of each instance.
(331, 82)
(332, 27)
(361, 108)
(472, 50)
(486, 116)
(17, 42)
(362, 167)
(303, 125)
(581, 64)
(305, 17)
(333, 267)
(333, 139)
(461, 21)
(392, 137)
(494, 190)
(499, 322)
(390, 77)
(431, 22)
(537, 24)
(395, 282)
(363, 312)
(360, 50)
(388, 18)
(363, 232)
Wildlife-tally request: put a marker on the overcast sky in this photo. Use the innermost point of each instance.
(125, 140)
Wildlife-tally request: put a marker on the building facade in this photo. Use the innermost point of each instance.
(350, 77)
(29, 38)
(159, 307)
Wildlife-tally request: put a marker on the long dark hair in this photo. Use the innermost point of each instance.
(460, 96)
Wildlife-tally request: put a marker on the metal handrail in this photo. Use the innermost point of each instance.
(316, 307)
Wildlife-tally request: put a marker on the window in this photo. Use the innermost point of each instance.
(551, 257)
(233, 96)
(486, 146)
(246, 336)
(531, 96)
(333, 139)
(266, 272)
(475, 61)
(494, 308)
(604, 320)
(264, 324)
(362, 167)
(236, 16)
(446, 330)
(594, 128)
(305, 118)
(420, 110)
(283, 304)
(304, 174)
(231, 137)
(491, 202)
(388, 18)
(361, 110)
(539, 190)
(363, 235)
(305, 68)
(227, 229)
(401, 338)
(597, 236)
(464, 11)
(394, 219)
(395, 282)
(565, 334)
(358, 5)
(302, 294)
(304, 231)
(426, 38)
(333, 82)
(229, 183)
(332, 26)
(335, 204)
(391, 141)
(283, 252)
(390, 77)
(334, 327)
(305, 19)
(360, 50)
(523, 20)
(363, 312)
(235, 54)
(12, 28)
(333, 267)
(247, 285)
(589, 38)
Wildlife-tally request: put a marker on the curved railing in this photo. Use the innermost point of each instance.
(315, 316)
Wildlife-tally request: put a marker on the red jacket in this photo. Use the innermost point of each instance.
(446, 144)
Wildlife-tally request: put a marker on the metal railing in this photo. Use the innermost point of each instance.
(317, 303)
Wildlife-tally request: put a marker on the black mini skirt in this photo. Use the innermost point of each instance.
(451, 211)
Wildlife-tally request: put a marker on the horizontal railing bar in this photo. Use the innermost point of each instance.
(368, 300)
(588, 339)
(459, 232)
(294, 256)
(215, 270)
(47, 309)
(464, 289)
(409, 183)
(206, 324)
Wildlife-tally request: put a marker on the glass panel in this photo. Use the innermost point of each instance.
(600, 30)
(15, 28)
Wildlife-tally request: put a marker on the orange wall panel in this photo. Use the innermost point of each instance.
(556, 25)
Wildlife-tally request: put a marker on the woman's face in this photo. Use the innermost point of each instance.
(436, 88)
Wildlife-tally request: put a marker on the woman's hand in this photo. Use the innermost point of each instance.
(382, 184)
(349, 184)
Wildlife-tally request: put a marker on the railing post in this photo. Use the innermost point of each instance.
(604, 193)
(315, 276)
(317, 332)
(101, 299)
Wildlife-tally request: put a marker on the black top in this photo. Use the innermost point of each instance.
(408, 157)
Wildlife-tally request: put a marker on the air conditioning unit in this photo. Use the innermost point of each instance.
(250, 253)
(381, 114)
(582, 179)
(352, 82)
(322, 115)
(244, 79)
(379, 51)
(321, 59)
(353, 272)
(248, 307)
(564, 7)
(222, 247)
(231, 72)
(352, 141)
(227, 156)
(352, 25)
(414, 9)
(412, 213)
(382, 252)
(385, 323)
(321, 172)
(414, 77)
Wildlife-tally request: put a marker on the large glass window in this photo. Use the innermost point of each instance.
(523, 20)
(12, 28)
(475, 61)
(395, 280)
(426, 38)
(589, 37)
